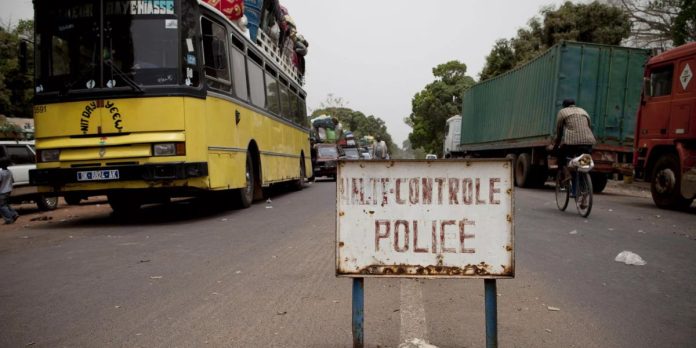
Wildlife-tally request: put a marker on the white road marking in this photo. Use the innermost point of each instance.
(413, 332)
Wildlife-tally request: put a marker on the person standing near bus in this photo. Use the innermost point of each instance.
(381, 151)
(6, 181)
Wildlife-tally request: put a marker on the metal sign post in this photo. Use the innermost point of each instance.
(425, 219)
(358, 312)
(491, 313)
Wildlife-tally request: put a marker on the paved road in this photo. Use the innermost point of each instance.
(185, 275)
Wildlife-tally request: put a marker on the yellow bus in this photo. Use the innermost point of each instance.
(146, 100)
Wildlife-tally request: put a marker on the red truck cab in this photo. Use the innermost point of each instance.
(665, 141)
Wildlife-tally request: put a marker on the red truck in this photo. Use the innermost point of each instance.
(665, 141)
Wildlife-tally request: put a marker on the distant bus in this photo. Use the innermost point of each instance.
(147, 100)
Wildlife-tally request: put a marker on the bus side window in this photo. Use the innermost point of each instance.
(215, 54)
(294, 115)
(239, 76)
(272, 94)
(257, 89)
(285, 99)
(302, 111)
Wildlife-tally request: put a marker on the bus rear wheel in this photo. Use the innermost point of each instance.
(246, 193)
(299, 183)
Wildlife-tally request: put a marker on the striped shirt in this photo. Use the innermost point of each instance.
(574, 124)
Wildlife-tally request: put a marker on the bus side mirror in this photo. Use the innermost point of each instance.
(23, 56)
(647, 92)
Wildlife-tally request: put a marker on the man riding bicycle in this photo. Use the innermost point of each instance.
(573, 133)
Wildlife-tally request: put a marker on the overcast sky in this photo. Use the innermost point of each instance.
(377, 54)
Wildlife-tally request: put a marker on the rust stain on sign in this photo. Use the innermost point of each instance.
(425, 219)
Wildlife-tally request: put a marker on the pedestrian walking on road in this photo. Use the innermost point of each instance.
(9, 214)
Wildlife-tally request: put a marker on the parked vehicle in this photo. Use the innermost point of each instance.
(514, 114)
(431, 156)
(665, 146)
(326, 161)
(22, 156)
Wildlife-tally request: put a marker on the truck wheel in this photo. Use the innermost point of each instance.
(47, 203)
(523, 167)
(666, 182)
(72, 199)
(123, 204)
(512, 157)
(539, 176)
(599, 182)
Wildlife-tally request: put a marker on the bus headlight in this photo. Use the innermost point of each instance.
(49, 155)
(169, 149)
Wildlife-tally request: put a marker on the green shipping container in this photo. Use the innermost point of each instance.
(518, 108)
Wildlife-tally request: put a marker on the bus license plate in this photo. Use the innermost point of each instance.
(98, 175)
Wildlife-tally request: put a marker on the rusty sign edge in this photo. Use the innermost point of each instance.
(430, 271)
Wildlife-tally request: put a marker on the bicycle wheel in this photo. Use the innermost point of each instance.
(583, 194)
(562, 191)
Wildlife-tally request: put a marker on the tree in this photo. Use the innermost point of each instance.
(660, 23)
(594, 22)
(500, 60)
(439, 100)
(16, 86)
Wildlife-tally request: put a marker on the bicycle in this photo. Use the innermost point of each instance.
(576, 183)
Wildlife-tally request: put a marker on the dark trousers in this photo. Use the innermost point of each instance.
(5, 210)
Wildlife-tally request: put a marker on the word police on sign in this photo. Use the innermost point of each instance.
(425, 219)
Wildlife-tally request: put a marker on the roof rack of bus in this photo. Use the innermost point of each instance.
(271, 51)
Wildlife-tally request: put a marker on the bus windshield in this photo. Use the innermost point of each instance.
(93, 44)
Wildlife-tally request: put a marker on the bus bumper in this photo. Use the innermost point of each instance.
(146, 172)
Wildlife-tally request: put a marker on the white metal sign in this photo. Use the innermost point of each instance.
(444, 218)
(685, 76)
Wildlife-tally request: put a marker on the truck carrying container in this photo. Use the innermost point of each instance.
(514, 114)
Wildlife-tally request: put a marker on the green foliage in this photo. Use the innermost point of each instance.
(16, 90)
(684, 28)
(594, 22)
(501, 59)
(438, 101)
(355, 121)
(406, 152)
(9, 130)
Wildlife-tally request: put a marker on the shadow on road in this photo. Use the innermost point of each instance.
(99, 213)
